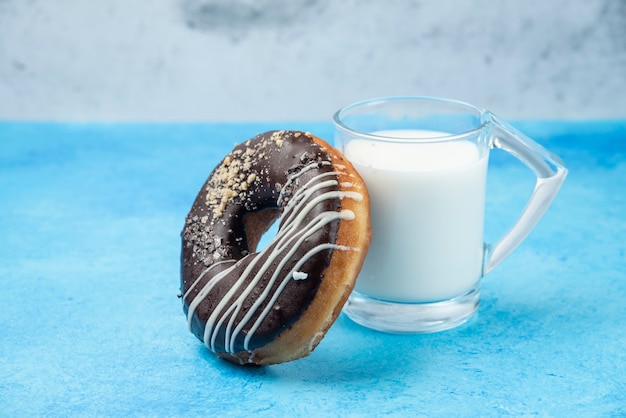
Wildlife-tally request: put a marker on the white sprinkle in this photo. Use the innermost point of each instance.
(299, 275)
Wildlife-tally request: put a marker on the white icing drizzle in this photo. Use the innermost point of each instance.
(304, 169)
(290, 237)
(193, 285)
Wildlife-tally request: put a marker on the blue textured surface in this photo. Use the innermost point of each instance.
(89, 271)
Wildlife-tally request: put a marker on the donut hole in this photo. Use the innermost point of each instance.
(268, 236)
(261, 227)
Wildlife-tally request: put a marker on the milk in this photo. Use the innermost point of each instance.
(427, 211)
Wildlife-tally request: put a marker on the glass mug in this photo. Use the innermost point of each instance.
(424, 161)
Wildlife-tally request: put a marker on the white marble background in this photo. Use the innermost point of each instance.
(181, 60)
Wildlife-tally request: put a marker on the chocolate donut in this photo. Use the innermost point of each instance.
(275, 305)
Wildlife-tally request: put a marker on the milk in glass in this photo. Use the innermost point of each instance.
(427, 211)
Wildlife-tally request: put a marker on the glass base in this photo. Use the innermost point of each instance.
(412, 318)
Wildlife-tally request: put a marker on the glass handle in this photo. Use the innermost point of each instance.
(550, 172)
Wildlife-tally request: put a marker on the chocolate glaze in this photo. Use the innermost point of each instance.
(253, 178)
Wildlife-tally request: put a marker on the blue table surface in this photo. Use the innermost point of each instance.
(90, 216)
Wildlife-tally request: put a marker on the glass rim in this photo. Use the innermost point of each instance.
(339, 123)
